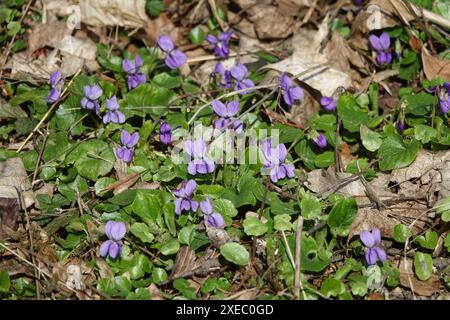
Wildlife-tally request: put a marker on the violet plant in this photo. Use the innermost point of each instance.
(381, 46)
(374, 251)
(291, 93)
(175, 58)
(126, 151)
(115, 231)
(91, 96)
(184, 194)
(212, 219)
(134, 76)
(220, 43)
(56, 83)
(227, 115)
(274, 158)
(200, 162)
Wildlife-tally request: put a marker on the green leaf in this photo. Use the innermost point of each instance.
(235, 253)
(341, 217)
(148, 98)
(147, 205)
(197, 35)
(442, 7)
(142, 232)
(395, 153)
(447, 242)
(169, 218)
(401, 233)
(370, 139)
(282, 222)
(225, 208)
(420, 104)
(443, 208)
(183, 287)
(187, 234)
(170, 247)
(159, 275)
(254, 227)
(92, 158)
(167, 81)
(154, 7)
(332, 287)
(351, 114)
(124, 198)
(5, 282)
(324, 159)
(423, 265)
(429, 240)
(359, 288)
(310, 207)
(424, 133)
(13, 28)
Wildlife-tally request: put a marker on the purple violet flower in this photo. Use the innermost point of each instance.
(291, 93)
(165, 133)
(113, 115)
(115, 231)
(126, 151)
(200, 162)
(443, 93)
(135, 78)
(321, 141)
(273, 160)
(212, 219)
(227, 113)
(222, 75)
(221, 48)
(56, 83)
(91, 96)
(175, 58)
(400, 126)
(372, 240)
(358, 2)
(184, 194)
(328, 103)
(239, 73)
(381, 46)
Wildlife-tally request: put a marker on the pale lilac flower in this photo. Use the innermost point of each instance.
(239, 73)
(165, 133)
(183, 194)
(222, 75)
(443, 93)
(227, 113)
(56, 83)
(291, 93)
(221, 48)
(91, 96)
(212, 219)
(328, 103)
(372, 240)
(113, 115)
(126, 151)
(321, 141)
(274, 161)
(115, 231)
(135, 77)
(200, 162)
(381, 46)
(175, 58)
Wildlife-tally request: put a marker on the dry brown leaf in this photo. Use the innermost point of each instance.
(407, 277)
(321, 70)
(101, 13)
(163, 25)
(155, 293)
(269, 22)
(435, 67)
(13, 174)
(123, 184)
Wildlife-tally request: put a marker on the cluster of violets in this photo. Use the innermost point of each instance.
(126, 150)
(381, 46)
(372, 241)
(200, 162)
(237, 75)
(443, 94)
(184, 202)
(115, 231)
(56, 83)
(227, 115)
(274, 158)
(134, 76)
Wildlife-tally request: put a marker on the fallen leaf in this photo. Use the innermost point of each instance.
(409, 280)
(435, 67)
(101, 13)
(269, 22)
